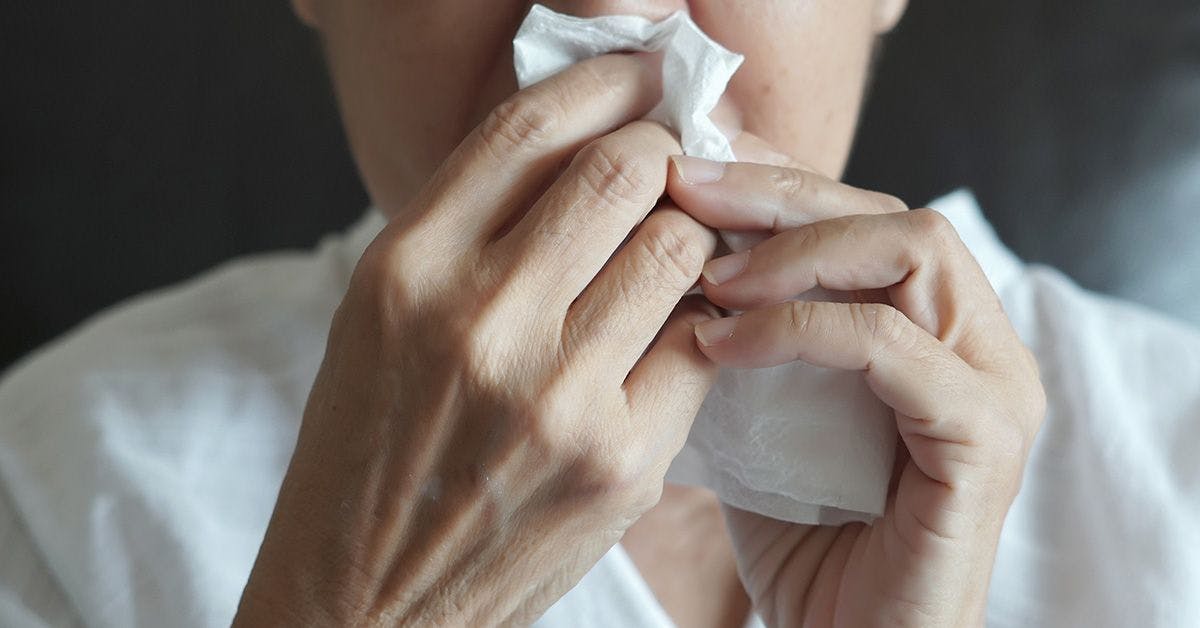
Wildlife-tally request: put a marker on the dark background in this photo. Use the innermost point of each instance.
(144, 141)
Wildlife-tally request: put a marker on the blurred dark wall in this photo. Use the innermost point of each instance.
(1076, 122)
(142, 142)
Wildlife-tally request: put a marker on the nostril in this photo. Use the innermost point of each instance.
(651, 9)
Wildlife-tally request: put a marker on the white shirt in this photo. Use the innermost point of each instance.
(140, 455)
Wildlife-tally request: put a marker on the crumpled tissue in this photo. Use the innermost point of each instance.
(793, 442)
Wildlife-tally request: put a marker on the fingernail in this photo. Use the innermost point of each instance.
(715, 331)
(723, 269)
(696, 171)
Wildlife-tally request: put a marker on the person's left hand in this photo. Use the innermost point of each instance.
(927, 330)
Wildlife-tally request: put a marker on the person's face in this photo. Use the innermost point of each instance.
(413, 77)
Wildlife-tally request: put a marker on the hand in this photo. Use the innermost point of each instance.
(507, 379)
(930, 336)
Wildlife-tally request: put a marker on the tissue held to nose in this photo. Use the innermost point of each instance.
(695, 70)
(793, 442)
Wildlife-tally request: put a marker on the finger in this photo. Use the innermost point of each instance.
(752, 197)
(568, 235)
(751, 148)
(670, 382)
(930, 275)
(619, 314)
(502, 164)
(905, 366)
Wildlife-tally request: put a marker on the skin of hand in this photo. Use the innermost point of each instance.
(922, 323)
(507, 378)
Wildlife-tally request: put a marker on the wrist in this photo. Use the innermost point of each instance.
(283, 592)
(306, 573)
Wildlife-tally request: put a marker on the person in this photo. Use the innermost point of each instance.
(510, 360)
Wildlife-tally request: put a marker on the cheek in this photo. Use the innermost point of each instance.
(801, 85)
(410, 76)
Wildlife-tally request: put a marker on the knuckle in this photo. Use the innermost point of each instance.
(931, 225)
(801, 249)
(883, 324)
(375, 265)
(611, 174)
(1028, 402)
(593, 80)
(807, 237)
(802, 318)
(1010, 441)
(519, 122)
(388, 273)
(538, 421)
(1037, 404)
(1037, 409)
(669, 254)
(616, 477)
(479, 353)
(792, 183)
(481, 340)
(547, 424)
(889, 204)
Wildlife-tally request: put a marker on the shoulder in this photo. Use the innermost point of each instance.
(1108, 514)
(143, 450)
(1107, 354)
(254, 316)
(252, 313)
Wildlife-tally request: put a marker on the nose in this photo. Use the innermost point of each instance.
(651, 9)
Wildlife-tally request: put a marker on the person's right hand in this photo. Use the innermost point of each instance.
(502, 390)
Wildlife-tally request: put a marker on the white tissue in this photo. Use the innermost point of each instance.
(695, 68)
(793, 442)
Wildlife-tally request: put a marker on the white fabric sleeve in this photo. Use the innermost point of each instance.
(30, 595)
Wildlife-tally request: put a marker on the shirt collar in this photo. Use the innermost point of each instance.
(962, 209)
